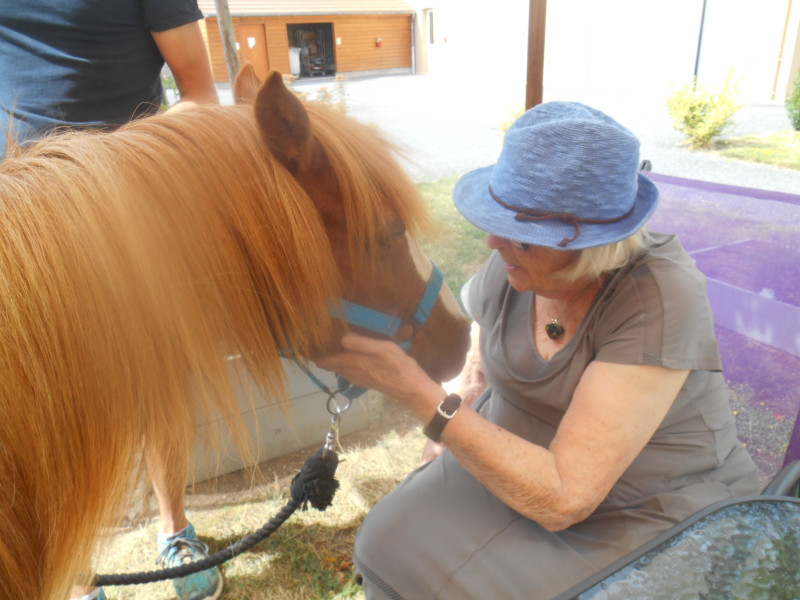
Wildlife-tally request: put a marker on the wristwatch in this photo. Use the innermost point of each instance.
(446, 411)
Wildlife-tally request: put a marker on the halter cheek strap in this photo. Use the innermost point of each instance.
(381, 323)
(388, 325)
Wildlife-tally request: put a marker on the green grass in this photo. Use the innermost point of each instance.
(459, 248)
(779, 149)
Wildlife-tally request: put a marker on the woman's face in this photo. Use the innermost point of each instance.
(531, 270)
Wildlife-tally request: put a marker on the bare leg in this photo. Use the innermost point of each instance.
(170, 493)
(169, 483)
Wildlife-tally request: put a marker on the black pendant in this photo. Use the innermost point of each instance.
(553, 330)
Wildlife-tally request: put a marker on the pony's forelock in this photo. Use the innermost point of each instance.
(366, 168)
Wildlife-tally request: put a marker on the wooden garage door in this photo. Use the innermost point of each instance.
(253, 48)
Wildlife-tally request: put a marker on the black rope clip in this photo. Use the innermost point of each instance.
(316, 482)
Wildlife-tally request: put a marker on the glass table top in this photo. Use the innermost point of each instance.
(746, 549)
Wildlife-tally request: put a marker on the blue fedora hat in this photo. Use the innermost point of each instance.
(567, 177)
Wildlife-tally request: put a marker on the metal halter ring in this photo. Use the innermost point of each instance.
(333, 407)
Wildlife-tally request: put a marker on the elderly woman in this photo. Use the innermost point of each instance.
(609, 418)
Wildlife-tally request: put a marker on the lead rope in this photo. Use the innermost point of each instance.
(315, 484)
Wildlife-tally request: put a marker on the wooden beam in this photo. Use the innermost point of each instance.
(228, 38)
(536, 27)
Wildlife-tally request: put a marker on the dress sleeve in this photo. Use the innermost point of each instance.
(659, 314)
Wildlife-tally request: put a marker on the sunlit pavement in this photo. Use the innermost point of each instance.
(451, 124)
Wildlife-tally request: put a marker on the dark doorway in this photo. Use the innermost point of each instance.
(311, 49)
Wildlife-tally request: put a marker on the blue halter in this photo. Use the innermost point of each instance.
(388, 325)
(383, 324)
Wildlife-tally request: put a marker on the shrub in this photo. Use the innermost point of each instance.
(793, 104)
(513, 115)
(336, 97)
(171, 92)
(703, 114)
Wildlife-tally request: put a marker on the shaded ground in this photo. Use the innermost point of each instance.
(309, 557)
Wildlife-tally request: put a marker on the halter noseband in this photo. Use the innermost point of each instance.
(388, 325)
(376, 322)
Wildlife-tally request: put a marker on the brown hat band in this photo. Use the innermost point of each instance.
(526, 214)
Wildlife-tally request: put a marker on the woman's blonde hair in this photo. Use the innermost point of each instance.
(592, 263)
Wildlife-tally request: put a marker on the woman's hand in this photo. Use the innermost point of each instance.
(383, 366)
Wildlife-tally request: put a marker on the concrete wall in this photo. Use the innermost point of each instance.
(280, 426)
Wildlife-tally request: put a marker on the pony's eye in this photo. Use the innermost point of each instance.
(395, 231)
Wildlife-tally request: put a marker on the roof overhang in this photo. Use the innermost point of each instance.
(296, 8)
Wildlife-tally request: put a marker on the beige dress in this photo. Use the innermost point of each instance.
(442, 534)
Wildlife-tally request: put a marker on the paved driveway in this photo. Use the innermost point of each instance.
(450, 125)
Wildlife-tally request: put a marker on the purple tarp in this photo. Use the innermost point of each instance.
(747, 242)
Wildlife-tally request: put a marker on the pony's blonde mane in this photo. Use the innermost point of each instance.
(366, 167)
(133, 263)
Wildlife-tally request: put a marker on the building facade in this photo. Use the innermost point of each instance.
(309, 38)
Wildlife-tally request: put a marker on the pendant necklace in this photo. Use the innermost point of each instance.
(554, 329)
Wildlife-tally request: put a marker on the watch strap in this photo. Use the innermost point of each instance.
(444, 412)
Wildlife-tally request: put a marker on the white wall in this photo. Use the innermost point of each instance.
(745, 35)
(619, 51)
(279, 426)
(481, 45)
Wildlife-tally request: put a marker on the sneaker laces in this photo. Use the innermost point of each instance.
(182, 549)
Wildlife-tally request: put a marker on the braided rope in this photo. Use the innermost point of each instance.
(314, 484)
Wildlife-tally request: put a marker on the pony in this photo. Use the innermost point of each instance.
(133, 263)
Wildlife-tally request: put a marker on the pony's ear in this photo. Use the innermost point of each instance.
(284, 124)
(246, 85)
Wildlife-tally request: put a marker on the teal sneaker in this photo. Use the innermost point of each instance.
(184, 547)
(95, 594)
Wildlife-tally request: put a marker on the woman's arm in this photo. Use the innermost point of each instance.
(470, 384)
(614, 412)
